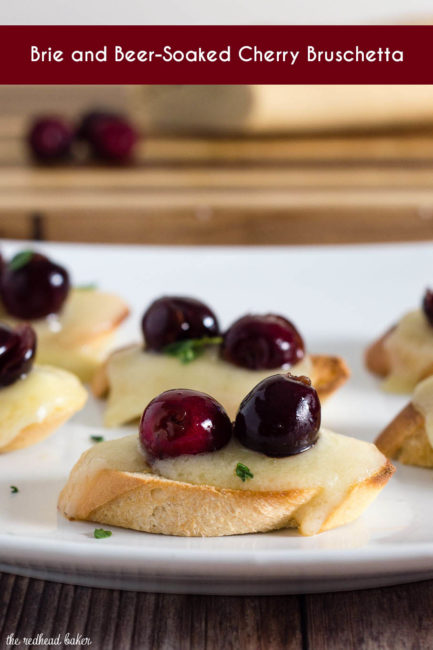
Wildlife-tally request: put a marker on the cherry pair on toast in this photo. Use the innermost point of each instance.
(256, 342)
(280, 417)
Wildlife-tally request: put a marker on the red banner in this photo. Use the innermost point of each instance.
(216, 54)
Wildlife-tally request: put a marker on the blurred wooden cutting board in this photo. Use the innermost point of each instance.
(309, 188)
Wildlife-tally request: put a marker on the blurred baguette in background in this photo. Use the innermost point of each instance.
(272, 109)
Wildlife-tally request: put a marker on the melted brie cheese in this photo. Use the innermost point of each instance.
(329, 469)
(422, 399)
(136, 377)
(77, 338)
(410, 350)
(41, 394)
(333, 463)
(82, 360)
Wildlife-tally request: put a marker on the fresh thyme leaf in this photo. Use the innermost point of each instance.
(100, 533)
(97, 438)
(243, 472)
(189, 350)
(14, 489)
(20, 259)
(92, 286)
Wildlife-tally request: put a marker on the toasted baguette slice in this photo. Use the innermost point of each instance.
(35, 406)
(328, 374)
(404, 354)
(132, 377)
(327, 486)
(405, 439)
(377, 358)
(378, 361)
(78, 338)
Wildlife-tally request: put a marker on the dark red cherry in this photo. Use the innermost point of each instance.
(32, 286)
(279, 417)
(173, 318)
(111, 138)
(427, 305)
(50, 139)
(17, 352)
(183, 422)
(90, 120)
(262, 342)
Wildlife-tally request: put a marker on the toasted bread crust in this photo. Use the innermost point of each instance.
(378, 361)
(377, 358)
(121, 316)
(38, 431)
(329, 373)
(100, 385)
(405, 439)
(115, 323)
(150, 503)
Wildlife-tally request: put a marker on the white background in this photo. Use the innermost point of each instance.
(125, 12)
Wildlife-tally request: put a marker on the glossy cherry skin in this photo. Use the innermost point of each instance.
(112, 138)
(262, 342)
(35, 289)
(183, 421)
(279, 417)
(174, 318)
(50, 139)
(427, 305)
(17, 352)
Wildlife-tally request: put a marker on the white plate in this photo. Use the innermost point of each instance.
(340, 298)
